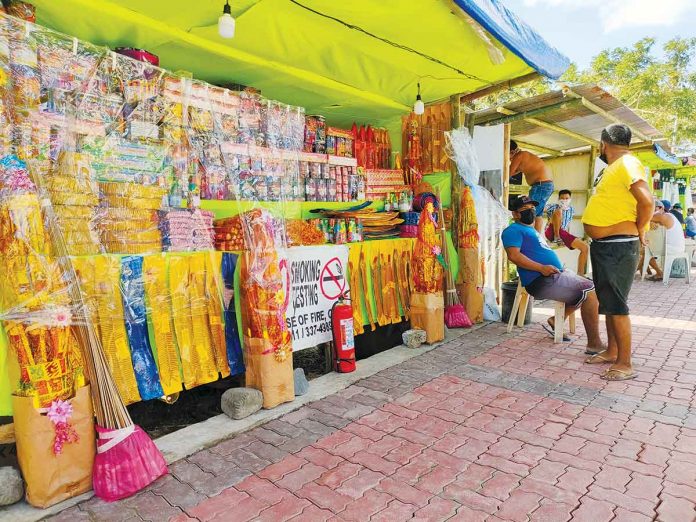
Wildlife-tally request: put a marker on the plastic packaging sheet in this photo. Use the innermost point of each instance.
(103, 163)
(491, 215)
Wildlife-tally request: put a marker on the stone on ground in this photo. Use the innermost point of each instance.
(301, 382)
(413, 338)
(11, 486)
(238, 403)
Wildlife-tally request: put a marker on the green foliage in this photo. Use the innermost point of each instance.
(659, 87)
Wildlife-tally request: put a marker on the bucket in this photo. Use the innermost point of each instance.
(508, 298)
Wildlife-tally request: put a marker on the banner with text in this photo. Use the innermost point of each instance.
(317, 277)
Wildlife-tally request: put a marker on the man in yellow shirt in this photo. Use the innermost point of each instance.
(616, 218)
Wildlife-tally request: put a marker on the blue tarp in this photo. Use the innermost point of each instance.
(516, 35)
(666, 156)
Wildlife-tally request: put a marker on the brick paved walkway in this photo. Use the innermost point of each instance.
(489, 426)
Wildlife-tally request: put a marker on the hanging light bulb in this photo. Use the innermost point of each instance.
(226, 23)
(419, 106)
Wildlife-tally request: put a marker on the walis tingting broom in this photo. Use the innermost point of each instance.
(455, 313)
(127, 459)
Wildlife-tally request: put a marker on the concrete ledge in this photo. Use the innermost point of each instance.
(196, 437)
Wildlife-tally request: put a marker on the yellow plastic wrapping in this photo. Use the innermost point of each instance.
(213, 288)
(196, 356)
(100, 284)
(159, 303)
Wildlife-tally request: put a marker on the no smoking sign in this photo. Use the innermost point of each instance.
(332, 280)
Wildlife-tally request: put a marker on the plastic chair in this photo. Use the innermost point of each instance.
(657, 248)
(519, 311)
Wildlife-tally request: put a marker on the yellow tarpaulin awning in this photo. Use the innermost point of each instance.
(350, 61)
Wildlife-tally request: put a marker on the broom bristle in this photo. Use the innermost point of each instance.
(452, 297)
(456, 317)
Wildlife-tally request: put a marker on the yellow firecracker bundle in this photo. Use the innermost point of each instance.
(127, 220)
(427, 300)
(267, 340)
(73, 193)
(470, 277)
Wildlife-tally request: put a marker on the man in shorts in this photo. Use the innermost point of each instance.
(617, 217)
(542, 274)
(560, 216)
(537, 175)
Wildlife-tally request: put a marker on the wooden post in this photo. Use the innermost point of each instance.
(470, 122)
(591, 170)
(506, 192)
(590, 178)
(456, 115)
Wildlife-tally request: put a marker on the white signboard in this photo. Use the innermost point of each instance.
(488, 142)
(317, 277)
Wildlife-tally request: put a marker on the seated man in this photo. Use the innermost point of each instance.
(676, 211)
(543, 276)
(690, 223)
(560, 215)
(674, 235)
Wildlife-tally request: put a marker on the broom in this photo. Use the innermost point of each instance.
(127, 460)
(455, 313)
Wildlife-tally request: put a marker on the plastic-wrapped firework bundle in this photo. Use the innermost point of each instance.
(128, 220)
(146, 373)
(229, 235)
(74, 195)
(186, 230)
(250, 119)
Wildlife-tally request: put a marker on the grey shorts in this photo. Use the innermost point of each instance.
(566, 287)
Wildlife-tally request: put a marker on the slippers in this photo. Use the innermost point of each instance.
(599, 358)
(547, 327)
(618, 375)
(653, 278)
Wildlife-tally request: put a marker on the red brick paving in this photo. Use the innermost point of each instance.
(419, 442)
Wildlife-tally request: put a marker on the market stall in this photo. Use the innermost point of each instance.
(671, 176)
(563, 128)
(159, 232)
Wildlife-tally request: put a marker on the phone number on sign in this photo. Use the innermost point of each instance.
(310, 330)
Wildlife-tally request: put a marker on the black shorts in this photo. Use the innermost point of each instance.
(614, 265)
(566, 287)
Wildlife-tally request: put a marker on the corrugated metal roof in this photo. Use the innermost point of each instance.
(572, 116)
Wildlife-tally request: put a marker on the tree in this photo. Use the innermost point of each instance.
(660, 89)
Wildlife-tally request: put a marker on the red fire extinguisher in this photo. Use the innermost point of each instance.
(343, 339)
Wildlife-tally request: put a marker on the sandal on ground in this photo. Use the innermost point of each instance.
(653, 278)
(618, 375)
(599, 358)
(547, 327)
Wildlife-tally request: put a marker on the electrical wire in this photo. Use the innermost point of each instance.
(393, 44)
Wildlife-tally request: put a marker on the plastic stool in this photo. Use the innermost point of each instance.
(519, 310)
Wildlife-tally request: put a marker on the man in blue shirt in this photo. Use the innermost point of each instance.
(543, 276)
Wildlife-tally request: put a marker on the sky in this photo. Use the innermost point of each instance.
(580, 29)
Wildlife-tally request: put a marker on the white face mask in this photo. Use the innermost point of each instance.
(565, 203)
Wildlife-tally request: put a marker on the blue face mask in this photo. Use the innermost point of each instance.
(527, 216)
